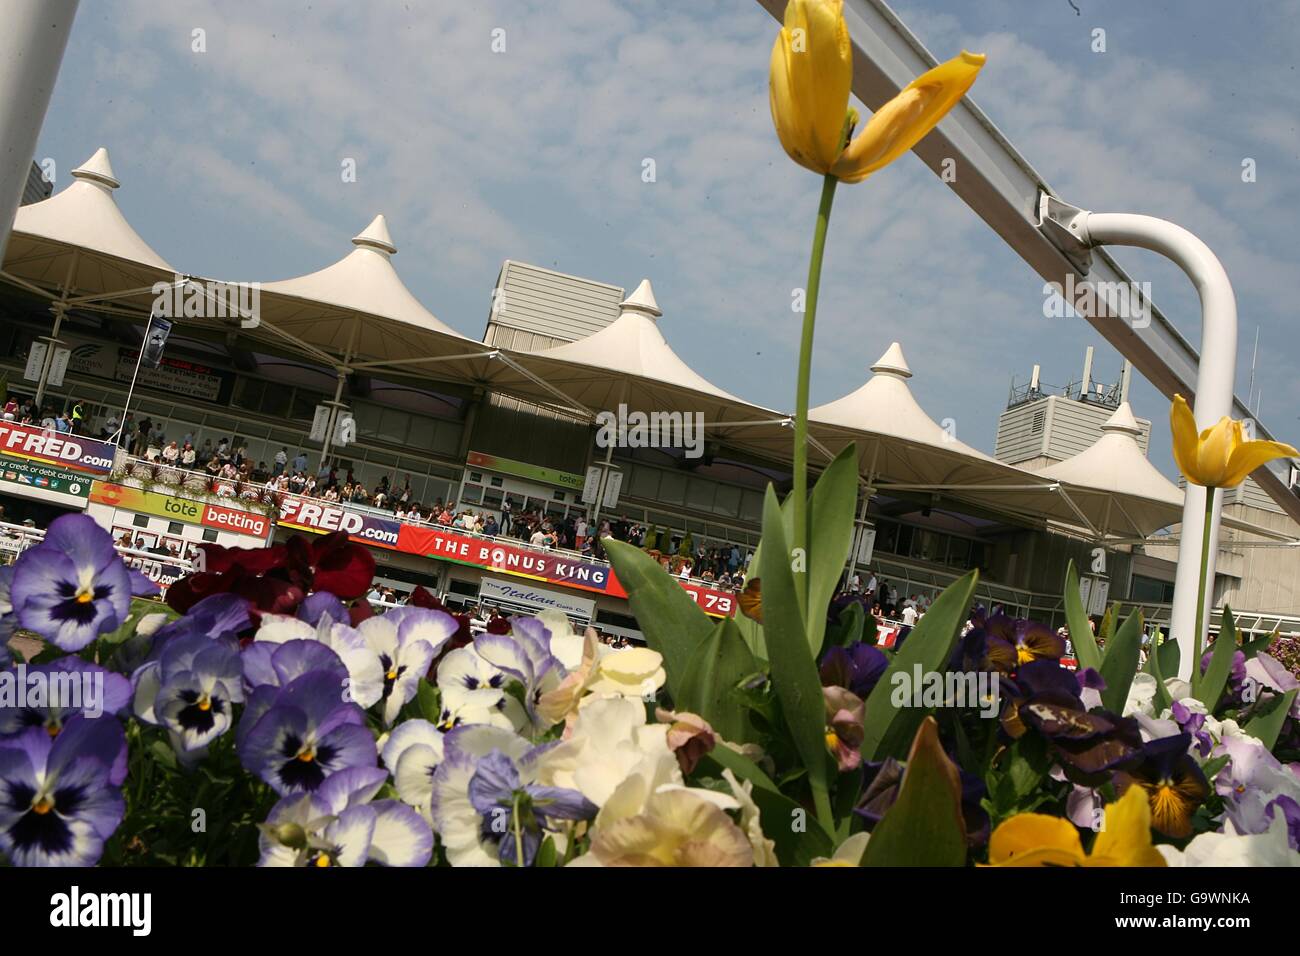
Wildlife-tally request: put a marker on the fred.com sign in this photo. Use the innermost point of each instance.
(71, 452)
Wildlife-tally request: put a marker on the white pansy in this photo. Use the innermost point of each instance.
(610, 740)
(1141, 696)
(630, 672)
(1231, 848)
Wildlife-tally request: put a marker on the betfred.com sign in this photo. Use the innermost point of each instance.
(72, 452)
(308, 514)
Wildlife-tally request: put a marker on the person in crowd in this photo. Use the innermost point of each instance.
(506, 507)
(300, 463)
(228, 471)
(171, 453)
(11, 409)
(281, 459)
(213, 466)
(124, 540)
(78, 414)
(188, 456)
(490, 526)
(331, 494)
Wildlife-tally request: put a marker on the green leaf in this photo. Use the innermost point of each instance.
(710, 686)
(1155, 667)
(1170, 657)
(547, 855)
(1269, 716)
(798, 836)
(889, 729)
(1258, 645)
(140, 608)
(1123, 651)
(794, 673)
(429, 700)
(830, 535)
(1076, 619)
(848, 629)
(1208, 687)
(925, 826)
(671, 621)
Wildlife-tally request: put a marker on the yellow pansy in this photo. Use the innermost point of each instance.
(1036, 839)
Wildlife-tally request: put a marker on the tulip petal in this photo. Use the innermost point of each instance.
(1182, 423)
(1215, 445)
(811, 72)
(1249, 455)
(902, 122)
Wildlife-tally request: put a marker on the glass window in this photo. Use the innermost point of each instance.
(393, 426)
(140, 521)
(303, 406)
(423, 432)
(643, 482)
(959, 552)
(726, 500)
(699, 493)
(174, 527)
(672, 488)
(472, 494)
(209, 534)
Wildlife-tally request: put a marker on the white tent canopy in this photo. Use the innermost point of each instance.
(1114, 469)
(629, 362)
(359, 307)
(77, 244)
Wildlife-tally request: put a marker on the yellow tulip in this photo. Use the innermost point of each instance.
(1219, 457)
(812, 70)
(1036, 839)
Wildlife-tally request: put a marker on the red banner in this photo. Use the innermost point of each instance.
(551, 567)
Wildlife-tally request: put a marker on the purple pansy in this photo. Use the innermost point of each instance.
(857, 668)
(341, 824)
(64, 690)
(515, 813)
(322, 604)
(191, 689)
(308, 731)
(73, 586)
(58, 804)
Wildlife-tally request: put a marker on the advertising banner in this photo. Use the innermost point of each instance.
(551, 567)
(62, 450)
(309, 514)
(220, 517)
(44, 483)
(535, 599)
(448, 545)
(521, 469)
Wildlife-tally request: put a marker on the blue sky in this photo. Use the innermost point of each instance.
(231, 163)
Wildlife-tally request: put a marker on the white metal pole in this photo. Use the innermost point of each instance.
(1214, 381)
(134, 375)
(32, 41)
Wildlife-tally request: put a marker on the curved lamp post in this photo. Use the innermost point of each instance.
(1215, 371)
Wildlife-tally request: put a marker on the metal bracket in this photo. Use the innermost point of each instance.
(1066, 227)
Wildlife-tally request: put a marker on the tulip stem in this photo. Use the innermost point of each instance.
(800, 538)
(1200, 593)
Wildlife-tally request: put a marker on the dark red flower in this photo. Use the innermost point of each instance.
(276, 579)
